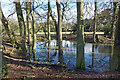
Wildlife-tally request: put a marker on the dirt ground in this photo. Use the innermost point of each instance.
(21, 68)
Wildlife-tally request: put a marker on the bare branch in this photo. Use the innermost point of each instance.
(11, 14)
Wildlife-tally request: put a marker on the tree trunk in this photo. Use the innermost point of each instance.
(118, 39)
(94, 30)
(7, 28)
(55, 22)
(48, 24)
(48, 21)
(22, 27)
(116, 54)
(114, 20)
(29, 29)
(34, 33)
(59, 32)
(1, 48)
(80, 64)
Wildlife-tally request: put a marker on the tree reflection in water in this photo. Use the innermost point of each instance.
(97, 57)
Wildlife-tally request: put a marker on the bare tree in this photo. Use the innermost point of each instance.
(94, 30)
(114, 20)
(22, 27)
(48, 24)
(29, 26)
(116, 53)
(59, 31)
(80, 64)
(34, 32)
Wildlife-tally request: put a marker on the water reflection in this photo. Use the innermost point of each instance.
(93, 57)
(49, 51)
(97, 57)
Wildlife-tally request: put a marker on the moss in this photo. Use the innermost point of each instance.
(5, 69)
(20, 49)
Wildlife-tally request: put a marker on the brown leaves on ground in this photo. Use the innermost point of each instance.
(20, 69)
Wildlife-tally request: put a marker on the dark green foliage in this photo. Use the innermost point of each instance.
(107, 29)
(88, 26)
(74, 29)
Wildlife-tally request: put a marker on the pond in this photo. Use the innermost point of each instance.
(97, 57)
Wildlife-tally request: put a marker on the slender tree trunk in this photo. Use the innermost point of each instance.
(94, 31)
(59, 31)
(48, 24)
(55, 22)
(29, 29)
(63, 10)
(22, 27)
(48, 21)
(80, 64)
(34, 33)
(114, 20)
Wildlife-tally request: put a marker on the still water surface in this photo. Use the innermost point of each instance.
(97, 57)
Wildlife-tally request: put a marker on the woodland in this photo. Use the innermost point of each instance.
(59, 39)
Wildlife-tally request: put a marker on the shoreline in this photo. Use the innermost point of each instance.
(73, 37)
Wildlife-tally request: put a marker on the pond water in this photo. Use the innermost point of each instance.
(97, 57)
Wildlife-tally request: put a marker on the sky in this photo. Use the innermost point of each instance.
(67, 0)
(8, 8)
